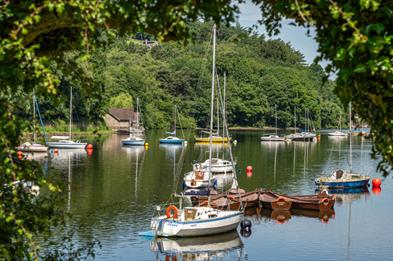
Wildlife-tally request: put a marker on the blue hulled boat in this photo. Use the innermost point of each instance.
(172, 140)
(343, 179)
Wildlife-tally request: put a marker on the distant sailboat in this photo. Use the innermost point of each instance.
(338, 133)
(33, 146)
(135, 139)
(275, 137)
(172, 139)
(66, 142)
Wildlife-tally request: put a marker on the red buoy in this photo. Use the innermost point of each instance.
(19, 153)
(249, 171)
(89, 152)
(376, 183)
(89, 146)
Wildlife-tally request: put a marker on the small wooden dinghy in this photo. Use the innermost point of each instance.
(321, 201)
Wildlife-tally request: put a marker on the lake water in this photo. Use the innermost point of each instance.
(112, 193)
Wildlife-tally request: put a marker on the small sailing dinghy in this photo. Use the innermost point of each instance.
(67, 142)
(344, 178)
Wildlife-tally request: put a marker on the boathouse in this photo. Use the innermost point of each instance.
(120, 119)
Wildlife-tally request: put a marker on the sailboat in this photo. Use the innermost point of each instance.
(172, 139)
(275, 137)
(215, 137)
(304, 135)
(33, 146)
(338, 133)
(66, 142)
(197, 221)
(134, 139)
(344, 178)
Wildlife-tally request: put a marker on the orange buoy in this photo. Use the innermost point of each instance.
(376, 182)
(89, 146)
(172, 212)
(89, 152)
(19, 153)
(56, 151)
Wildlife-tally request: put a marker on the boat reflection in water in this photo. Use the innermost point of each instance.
(227, 245)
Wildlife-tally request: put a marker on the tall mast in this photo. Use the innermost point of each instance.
(224, 111)
(275, 108)
(218, 117)
(175, 120)
(350, 137)
(294, 116)
(137, 112)
(212, 100)
(34, 133)
(70, 113)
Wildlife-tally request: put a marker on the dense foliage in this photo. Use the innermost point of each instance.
(33, 37)
(261, 75)
(356, 37)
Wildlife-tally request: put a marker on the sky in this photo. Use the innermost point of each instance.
(296, 36)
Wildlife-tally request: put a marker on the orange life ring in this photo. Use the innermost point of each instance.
(170, 209)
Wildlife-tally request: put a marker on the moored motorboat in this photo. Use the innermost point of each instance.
(343, 179)
(195, 221)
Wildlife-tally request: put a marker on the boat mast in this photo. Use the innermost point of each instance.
(275, 108)
(350, 137)
(212, 102)
(218, 117)
(34, 133)
(294, 117)
(137, 112)
(70, 113)
(223, 112)
(175, 120)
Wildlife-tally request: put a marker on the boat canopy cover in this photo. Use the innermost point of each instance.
(170, 133)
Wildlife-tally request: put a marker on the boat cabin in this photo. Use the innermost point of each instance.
(192, 213)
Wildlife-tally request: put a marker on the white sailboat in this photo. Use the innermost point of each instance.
(66, 142)
(270, 137)
(197, 221)
(33, 146)
(134, 139)
(338, 133)
(172, 139)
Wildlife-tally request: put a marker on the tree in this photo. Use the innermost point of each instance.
(33, 35)
(356, 37)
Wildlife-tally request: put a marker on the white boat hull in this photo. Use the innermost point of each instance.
(67, 145)
(194, 228)
(32, 148)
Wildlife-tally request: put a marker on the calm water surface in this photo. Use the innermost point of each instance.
(112, 193)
